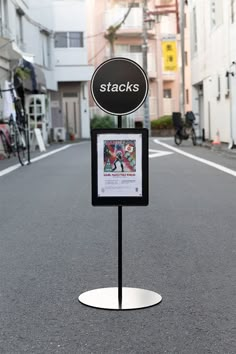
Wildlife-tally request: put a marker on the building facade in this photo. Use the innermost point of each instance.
(45, 44)
(164, 81)
(27, 59)
(70, 104)
(213, 58)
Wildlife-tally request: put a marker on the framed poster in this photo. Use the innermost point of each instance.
(119, 167)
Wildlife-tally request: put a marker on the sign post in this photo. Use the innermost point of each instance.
(119, 86)
(120, 242)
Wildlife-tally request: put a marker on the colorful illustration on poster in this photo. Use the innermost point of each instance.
(119, 156)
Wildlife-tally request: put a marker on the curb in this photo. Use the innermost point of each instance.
(221, 149)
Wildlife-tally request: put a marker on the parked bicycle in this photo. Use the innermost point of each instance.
(6, 140)
(184, 131)
(16, 141)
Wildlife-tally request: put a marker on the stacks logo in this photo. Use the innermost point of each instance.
(119, 86)
(128, 87)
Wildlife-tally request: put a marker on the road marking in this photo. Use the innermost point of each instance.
(158, 153)
(9, 169)
(14, 167)
(199, 159)
(49, 153)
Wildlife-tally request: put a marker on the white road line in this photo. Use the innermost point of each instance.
(14, 167)
(199, 159)
(49, 153)
(9, 169)
(158, 153)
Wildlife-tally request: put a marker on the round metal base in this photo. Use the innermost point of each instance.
(132, 298)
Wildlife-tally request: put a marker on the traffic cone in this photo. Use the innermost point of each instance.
(217, 139)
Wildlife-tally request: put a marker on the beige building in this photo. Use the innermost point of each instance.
(164, 79)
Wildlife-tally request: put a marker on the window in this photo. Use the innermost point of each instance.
(69, 39)
(45, 45)
(218, 88)
(213, 13)
(123, 3)
(61, 40)
(4, 14)
(216, 12)
(121, 48)
(135, 4)
(76, 39)
(232, 11)
(126, 48)
(186, 58)
(194, 30)
(136, 49)
(227, 84)
(19, 27)
(167, 93)
(187, 96)
(70, 94)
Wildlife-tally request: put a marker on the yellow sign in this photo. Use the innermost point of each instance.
(169, 53)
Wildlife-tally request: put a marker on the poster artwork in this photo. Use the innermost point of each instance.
(119, 156)
(120, 165)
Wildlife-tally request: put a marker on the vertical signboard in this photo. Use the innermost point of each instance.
(169, 53)
(119, 86)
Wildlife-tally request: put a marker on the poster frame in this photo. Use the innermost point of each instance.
(120, 200)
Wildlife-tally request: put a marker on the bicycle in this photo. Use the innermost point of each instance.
(6, 141)
(184, 131)
(17, 140)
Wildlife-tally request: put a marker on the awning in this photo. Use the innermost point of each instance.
(36, 83)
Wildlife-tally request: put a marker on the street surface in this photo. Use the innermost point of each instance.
(54, 246)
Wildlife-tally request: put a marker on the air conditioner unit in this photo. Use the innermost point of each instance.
(59, 134)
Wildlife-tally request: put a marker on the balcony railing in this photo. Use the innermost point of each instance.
(115, 16)
(138, 58)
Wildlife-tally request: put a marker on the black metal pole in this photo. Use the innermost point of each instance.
(120, 255)
(28, 138)
(120, 241)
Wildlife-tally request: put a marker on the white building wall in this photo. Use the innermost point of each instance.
(71, 64)
(216, 48)
(84, 100)
(66, 14)
(41, 11)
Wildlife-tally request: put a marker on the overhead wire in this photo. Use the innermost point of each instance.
(97, 53)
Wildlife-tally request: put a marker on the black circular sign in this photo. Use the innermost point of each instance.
(119, 86)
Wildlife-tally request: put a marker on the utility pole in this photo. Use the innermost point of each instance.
(146, 120)
(182, 44)
(176, 8)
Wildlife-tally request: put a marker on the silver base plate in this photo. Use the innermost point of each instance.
(132, 298)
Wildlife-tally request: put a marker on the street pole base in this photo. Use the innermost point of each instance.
(132, 298)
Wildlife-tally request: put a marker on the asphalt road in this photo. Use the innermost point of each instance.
(54, 245)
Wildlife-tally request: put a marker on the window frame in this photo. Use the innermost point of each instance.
(68, 38)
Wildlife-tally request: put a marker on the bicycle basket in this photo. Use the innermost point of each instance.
(177, 121)
(190, 116)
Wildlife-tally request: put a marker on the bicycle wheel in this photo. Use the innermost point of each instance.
(178, 139)
(194, 138)
(6, 148)
(21, 146)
